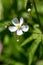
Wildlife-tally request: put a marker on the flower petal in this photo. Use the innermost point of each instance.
(12, 28)
(19, 32)
(21, 21)
(15, 21)
(25, 28)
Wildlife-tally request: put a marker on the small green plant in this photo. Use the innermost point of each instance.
(17, 48)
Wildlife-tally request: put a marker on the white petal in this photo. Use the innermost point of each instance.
(25, 28)
(19, 32)
(12, 28)
(21, 21)
(15, 21)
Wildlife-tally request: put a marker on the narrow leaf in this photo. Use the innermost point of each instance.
(33, 49)
(33, 36)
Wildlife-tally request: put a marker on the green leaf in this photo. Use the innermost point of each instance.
(41, 47)
(42, 38)
(33, 36)
(21, 4)
(6, 40)
(41, 19)
(39, 6)
(24, 15)
(33, 49)
(7, 4)
(1, 10)
(37, 30)
(2, 28)
(4, 25)
(40, 62)
(18, 63)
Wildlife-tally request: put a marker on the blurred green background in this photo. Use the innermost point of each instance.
(29, 49)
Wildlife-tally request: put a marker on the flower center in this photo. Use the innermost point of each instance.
(18, 25)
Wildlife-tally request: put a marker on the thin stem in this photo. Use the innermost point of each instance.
(37, 13)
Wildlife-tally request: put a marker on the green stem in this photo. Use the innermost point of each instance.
(37, 13)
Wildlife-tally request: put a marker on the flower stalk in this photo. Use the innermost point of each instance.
(37, 14)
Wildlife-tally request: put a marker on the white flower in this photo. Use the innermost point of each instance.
(18, 27)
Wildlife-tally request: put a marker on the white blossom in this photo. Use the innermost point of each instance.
(18, 26)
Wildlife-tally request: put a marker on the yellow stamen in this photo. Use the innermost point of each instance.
(18, 25)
